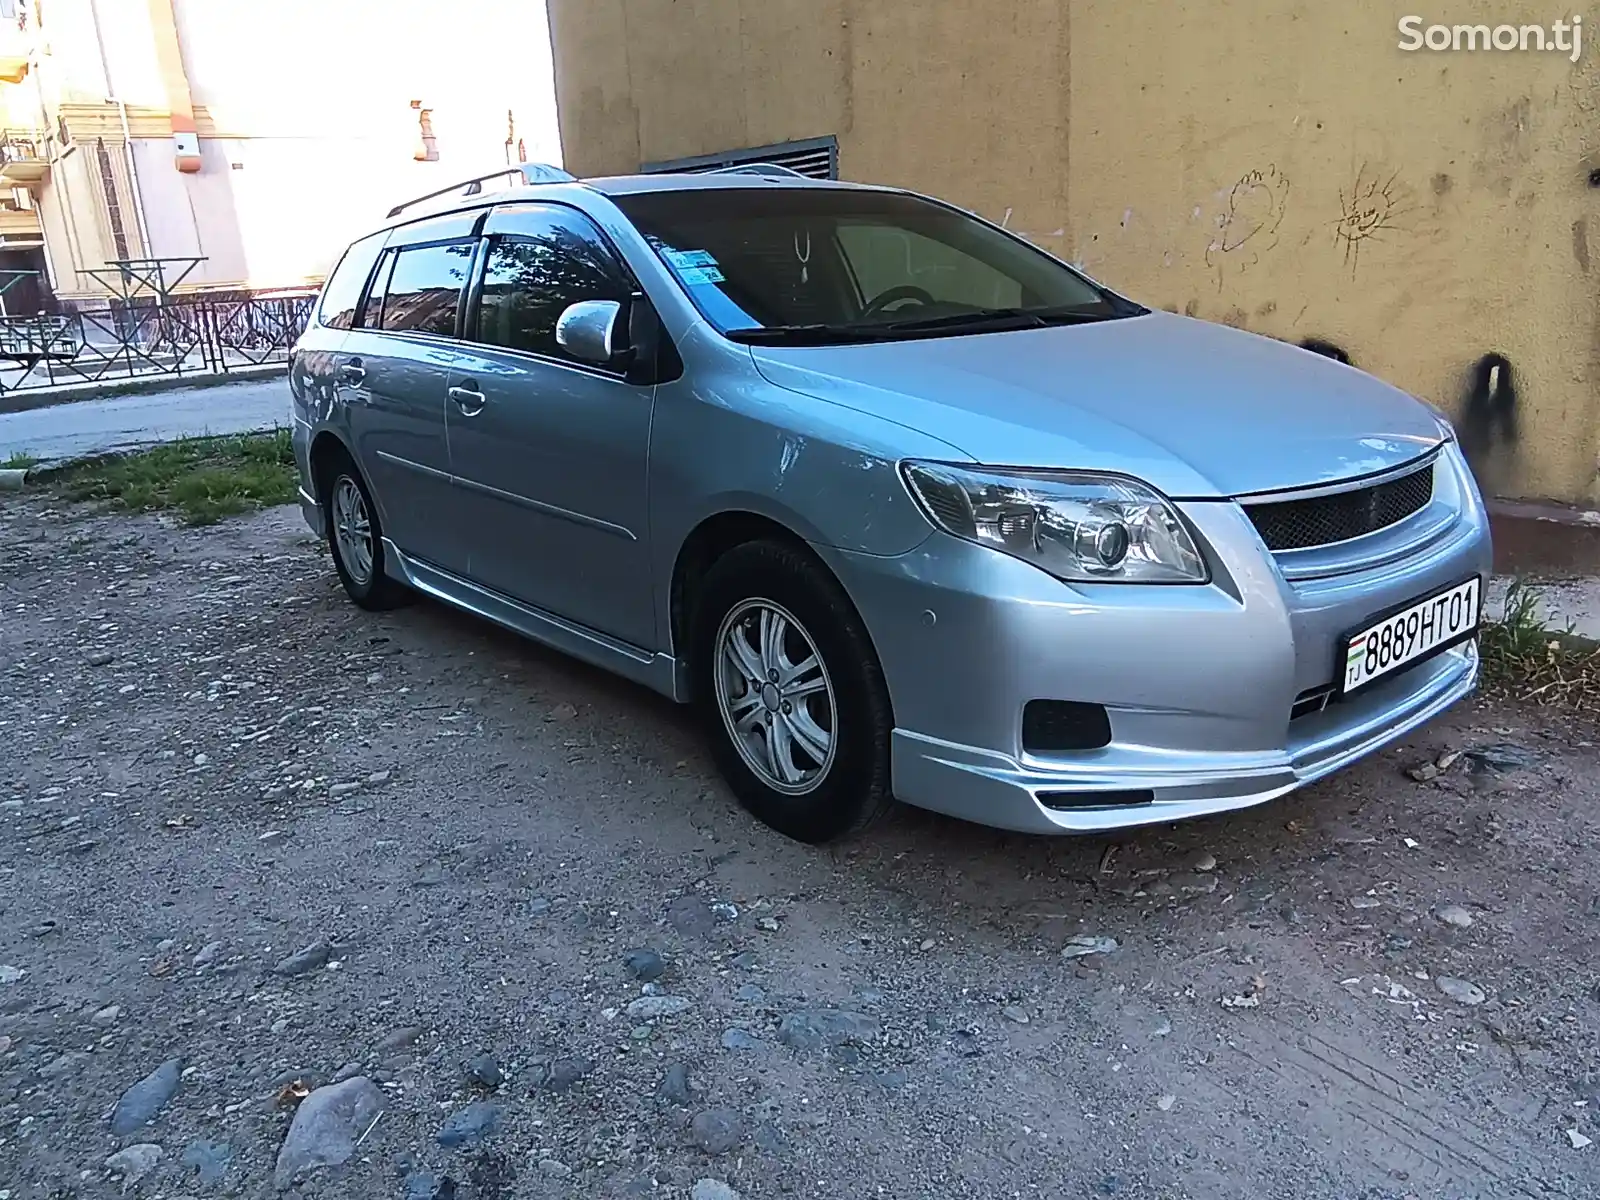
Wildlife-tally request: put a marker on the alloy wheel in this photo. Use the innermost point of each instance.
(775, 696)
(352, 529)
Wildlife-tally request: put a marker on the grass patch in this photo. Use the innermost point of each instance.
(18, 462)
(202, 479)
(1525, 659)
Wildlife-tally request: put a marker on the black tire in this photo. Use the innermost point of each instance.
(854, 787)
(376, 591)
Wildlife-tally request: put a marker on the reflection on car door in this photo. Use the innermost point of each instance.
(396, 365)
(549, 453)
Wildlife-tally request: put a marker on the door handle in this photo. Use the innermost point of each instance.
(352, 373)
(469, 400)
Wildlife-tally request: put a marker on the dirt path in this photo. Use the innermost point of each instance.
(213, 761)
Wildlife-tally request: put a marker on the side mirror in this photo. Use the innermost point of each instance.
(592, 331)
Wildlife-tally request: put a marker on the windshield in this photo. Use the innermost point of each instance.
(817, 265)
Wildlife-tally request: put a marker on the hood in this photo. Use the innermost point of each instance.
(1193, 408)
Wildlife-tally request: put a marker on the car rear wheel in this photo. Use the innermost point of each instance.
(355, 537)
(791, 694)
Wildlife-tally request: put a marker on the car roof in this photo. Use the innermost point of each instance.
(664, 181)
(556, 185)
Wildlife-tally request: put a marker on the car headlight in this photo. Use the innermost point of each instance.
(1078, 526)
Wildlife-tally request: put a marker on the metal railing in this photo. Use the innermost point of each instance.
(188, 335)
(21, 145)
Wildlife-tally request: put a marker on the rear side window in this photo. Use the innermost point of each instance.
(371, 315)
(531, 277)
(342, 292)
(424, 289)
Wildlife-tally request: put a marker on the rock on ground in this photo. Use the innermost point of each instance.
(650, 1008)
(133, 1163)
(825, 1029)
(1460, 990)
(306, 959)
(142, 1102)
(717, 1130)
(326, 1127)
(469, 1125)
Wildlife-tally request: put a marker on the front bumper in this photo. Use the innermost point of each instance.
(1198, 681)
(310, 506)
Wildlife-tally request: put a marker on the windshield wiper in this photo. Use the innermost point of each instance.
(999, 319)
(983, 320)
(803, 335)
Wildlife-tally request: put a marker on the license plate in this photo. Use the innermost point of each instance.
(1411, 634)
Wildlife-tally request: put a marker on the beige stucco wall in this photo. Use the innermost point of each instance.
(1276, 164)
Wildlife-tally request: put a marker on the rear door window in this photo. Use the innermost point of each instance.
(425, 288)
(371, 314)
(556, 259)
(342, 293)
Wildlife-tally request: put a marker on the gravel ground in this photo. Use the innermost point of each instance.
(494, 912)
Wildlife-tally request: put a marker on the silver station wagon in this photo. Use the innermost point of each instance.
(905, 506)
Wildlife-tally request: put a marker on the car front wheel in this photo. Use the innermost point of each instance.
(791, 694)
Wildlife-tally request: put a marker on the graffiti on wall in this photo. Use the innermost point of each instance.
(1371, 209)
(1488, 421)
(1248, 226)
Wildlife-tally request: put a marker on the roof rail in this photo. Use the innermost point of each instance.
(759, 169)
(527, 173)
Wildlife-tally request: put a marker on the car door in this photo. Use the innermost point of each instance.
(396, 364)
(550, 453)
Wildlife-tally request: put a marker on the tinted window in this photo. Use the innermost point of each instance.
(424, 293)
(532, 277)
(883, 257)
(342, 292)
(848, 258)
(371, 314)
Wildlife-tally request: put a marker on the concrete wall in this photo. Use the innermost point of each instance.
(1275, 164)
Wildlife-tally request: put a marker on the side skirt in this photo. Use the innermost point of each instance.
(660, 672)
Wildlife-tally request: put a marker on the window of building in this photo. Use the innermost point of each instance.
(342, 292)
(425, 285)
(531, 278)
(817, 158)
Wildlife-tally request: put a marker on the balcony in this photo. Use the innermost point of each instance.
(19, 226)
(24, 161)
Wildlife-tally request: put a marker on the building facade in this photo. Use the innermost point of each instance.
(243, 145)
(1430, 214)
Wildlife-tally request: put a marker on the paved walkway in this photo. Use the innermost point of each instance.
(124, 422)
(1562, 602)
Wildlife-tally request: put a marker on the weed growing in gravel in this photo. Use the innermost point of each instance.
(1527, 660)
(202, 479)
(18, 462)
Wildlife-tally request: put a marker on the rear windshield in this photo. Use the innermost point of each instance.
(840, 262)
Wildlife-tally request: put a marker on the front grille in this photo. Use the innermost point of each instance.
(1323, 520)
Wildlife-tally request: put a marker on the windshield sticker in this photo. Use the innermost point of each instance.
(686, 259)
(699, 275)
